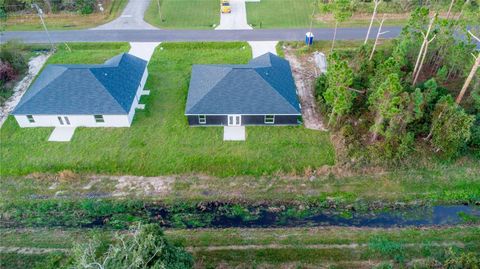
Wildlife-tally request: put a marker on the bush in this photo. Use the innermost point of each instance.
(387, 248)
(320, 87)
(85, 6)
(13, 53)
(146, 248)
(7, 73)
(465, 260)
(451, 127)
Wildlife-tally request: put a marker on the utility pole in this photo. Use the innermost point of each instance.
(40, 14)
(312, 17)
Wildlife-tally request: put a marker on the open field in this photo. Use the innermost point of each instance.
(64, 21)
(199, 14)
(159, 140)
(298, 14)
(270, 248)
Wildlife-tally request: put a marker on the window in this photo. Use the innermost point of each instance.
(99, 118)
(60, 120)
(30, 118)
(202, 119)
(269, 119)
(67, 120)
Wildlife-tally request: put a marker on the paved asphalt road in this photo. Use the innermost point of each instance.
(192, 35)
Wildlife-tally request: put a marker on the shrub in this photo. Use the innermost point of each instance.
(86, 6)
(450, 127)
(13, 53)
(320, 87)
(465, 260)
(146, 248)
(7, 73)
(387, 248)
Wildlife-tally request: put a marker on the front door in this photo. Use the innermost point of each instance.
(234, 120)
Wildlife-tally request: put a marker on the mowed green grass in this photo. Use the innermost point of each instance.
(160, 140)
(192, 14)
(298, 14)
(281, 13)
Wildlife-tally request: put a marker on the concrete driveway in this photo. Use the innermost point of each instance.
(131, 18)
(143, 50)
(237, 20)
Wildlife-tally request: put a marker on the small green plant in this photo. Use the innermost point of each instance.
(387, 248)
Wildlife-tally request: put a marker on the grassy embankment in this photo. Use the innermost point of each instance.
(66, 20)
(200, 14)
(343, 247)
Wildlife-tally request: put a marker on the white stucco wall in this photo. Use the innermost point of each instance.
(75, 121)
(131, 113)
(86, 120)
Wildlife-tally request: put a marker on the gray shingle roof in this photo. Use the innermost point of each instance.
(105, 89)
(263, 86)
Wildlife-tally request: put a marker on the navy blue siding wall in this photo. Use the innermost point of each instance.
(246, 120)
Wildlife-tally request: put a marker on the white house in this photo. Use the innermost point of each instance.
(101, 95)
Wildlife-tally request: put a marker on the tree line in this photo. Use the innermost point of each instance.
(420, 93)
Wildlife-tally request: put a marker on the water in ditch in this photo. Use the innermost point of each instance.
(266, 218)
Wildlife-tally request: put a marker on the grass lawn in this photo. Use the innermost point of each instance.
(64, 21)
(198, 14)
(160, 140)
(297, 14)
(270, 247)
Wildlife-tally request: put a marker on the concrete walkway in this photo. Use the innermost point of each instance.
(237, 19)
(130, 19)
(62, 134)
(143, 50)
(234, 133)
(262, 47)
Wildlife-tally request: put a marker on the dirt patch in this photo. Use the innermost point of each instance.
(126, 185)
(31, 250)
(316, 246)
(304, 72)
(34, 66)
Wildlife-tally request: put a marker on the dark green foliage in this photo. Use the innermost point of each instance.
(147, 247)
(71, 213)
(450, 127)
(393, 118)
(85, 6)
(338, 95)
(320, 87)
(13, 64)
(13, 53)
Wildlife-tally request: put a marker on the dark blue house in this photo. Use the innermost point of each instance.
(261, 92)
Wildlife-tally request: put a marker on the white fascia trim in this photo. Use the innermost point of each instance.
(244, 114)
